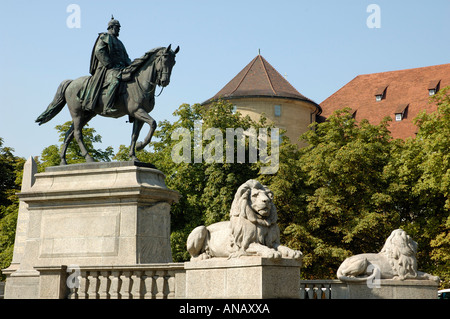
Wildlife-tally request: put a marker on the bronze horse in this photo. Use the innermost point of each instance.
(136, 98)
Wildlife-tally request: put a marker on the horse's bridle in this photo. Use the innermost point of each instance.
(160, 73)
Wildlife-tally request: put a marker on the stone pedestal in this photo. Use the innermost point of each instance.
(92, 214)
(243, 278)
(387, 289)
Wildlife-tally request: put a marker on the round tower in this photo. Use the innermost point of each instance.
(260, 89)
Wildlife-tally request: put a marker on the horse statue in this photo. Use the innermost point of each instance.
(135, 98)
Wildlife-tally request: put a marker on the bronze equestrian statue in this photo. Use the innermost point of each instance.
(116, 87)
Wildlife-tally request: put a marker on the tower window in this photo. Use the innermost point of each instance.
(277, 110)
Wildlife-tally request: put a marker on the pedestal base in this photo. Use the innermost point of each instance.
(93, 214)
(244, 277)
(387, 289)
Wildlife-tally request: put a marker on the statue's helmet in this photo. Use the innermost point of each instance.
(113, 22)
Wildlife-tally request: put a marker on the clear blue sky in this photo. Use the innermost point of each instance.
(320, 45)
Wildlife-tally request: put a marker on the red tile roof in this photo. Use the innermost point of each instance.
(406, 92)
(259, 79)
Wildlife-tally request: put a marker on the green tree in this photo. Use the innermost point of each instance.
(50, 155)
(10, 181)
(341, 205)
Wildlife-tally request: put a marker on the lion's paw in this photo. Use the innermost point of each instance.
(201, 257)
(238, 254)
(290, 253)
(272, 254)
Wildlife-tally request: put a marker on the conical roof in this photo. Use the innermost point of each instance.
(259, 79)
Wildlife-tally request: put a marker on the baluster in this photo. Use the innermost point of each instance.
(126, 285)
(93, 285)
(82, 291)
(317, 292)
(302, 291)
(72, 293)
(136, 285)
(104, 283)
(170, 279)
(149, 284)
(327, 291)
(320, 291)
(311, 292)
(114, 291)
(160, 283)
(73, 283)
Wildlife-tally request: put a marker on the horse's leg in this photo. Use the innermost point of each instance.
(137, 125)
(78, 123)
(67, 139)
(79, 118)
(141, 115)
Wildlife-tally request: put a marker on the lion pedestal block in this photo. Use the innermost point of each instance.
(388, 289)
(243, 278)
(91, 214)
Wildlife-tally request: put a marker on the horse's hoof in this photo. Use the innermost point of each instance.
(89, 159)
(63, 162)
(135, 159)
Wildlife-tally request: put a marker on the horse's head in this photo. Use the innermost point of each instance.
(164, 64)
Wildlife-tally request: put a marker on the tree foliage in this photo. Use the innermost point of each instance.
(11, 167)
(50, 155)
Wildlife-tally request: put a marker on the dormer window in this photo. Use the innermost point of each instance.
(380, 93)
(400, 112)
(433, 87)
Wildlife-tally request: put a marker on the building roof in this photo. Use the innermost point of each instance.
(404, 92)
(259, 79)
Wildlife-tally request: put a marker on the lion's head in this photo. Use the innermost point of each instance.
(400, 250)
(254, 201)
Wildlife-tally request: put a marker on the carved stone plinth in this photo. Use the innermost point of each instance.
(92, 214)
(243, 278)
(387, 289)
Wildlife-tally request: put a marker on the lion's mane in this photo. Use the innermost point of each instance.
(400, 250)
(241, 209)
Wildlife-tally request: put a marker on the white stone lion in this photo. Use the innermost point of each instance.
(397, 260)
(251, 230)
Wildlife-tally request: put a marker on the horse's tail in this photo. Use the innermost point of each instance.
(56, 105)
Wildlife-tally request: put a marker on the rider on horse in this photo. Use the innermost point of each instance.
(108, 58)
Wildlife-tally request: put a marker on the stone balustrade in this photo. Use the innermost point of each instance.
(147, 281)
(317, 289)
(168, 281)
